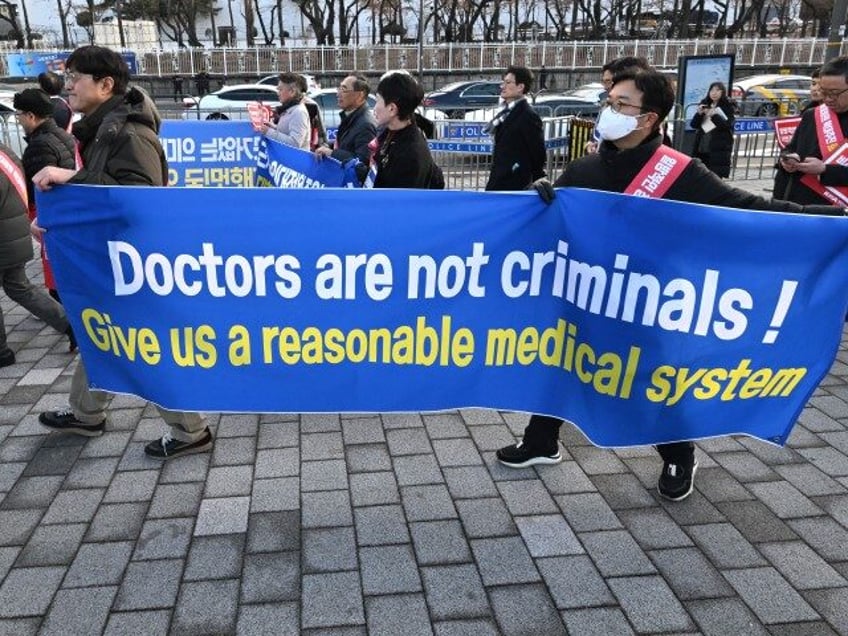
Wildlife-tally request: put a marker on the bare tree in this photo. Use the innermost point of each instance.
(9, 15)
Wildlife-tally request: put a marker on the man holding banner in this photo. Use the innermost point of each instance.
(633, 160)
(119, 146)
(812, 167)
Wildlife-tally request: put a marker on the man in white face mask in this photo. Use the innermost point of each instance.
(626, 162)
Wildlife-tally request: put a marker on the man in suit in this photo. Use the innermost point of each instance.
(518, 158)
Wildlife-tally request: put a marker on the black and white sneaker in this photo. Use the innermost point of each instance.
(519, 456)
(677, 482)
(65, 422)
(168, 447)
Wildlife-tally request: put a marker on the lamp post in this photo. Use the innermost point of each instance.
(421, 41)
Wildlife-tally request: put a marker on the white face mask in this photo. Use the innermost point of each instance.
(612, 126)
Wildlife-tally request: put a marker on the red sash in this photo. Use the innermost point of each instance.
(833, 150)
(659, 173)
(15, 176)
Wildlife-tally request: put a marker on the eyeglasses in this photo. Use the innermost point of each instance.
(344, 89)
(831, 94)
(507, 82)
(72, 77)
(617, 105)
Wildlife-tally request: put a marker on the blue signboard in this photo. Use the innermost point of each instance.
(471, 130)
(33, 63)
(749, 126)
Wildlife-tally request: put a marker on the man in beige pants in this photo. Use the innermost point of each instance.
(119, 143)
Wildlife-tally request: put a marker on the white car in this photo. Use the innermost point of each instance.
(230, 102)
(312, 85)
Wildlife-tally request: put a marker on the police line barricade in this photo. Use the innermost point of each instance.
(755, 148)
(640, 320)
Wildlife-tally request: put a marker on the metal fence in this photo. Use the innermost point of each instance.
(464, 154)
(470, 57)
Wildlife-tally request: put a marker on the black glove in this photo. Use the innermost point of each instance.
(544, 188)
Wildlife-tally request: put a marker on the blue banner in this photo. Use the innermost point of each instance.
(751, 126)
(33, 63)
(283, 166)
(210, 153)
(640, 321)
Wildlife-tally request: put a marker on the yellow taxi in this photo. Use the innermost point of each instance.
(771, 95)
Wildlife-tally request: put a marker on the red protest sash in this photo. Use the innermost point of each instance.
(15, 175)
(784, 129)
(659, 173)
(832, 147)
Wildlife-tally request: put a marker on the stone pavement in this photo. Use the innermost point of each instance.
(406, 525)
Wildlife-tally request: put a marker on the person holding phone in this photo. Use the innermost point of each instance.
(713, 124)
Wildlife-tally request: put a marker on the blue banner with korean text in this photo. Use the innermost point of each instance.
(283, 166)
(641, 321)
(210, 153)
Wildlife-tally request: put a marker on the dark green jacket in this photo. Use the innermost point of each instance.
(15, 239)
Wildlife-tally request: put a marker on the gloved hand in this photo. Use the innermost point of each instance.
(544, 188)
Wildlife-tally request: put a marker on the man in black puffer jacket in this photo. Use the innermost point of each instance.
(47, 145)
(16, 251)
(629, 126)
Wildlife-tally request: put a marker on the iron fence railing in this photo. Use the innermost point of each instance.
(471, 57)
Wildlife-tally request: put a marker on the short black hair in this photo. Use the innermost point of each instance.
(522, 75)
(51, 83)
(657, 90)
(836, 66)
(35, 101)
(100, 62)
(403, 91)
(816, 73)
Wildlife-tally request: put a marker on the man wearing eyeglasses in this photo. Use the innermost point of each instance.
(119, 143)
(808, 170)
(357, 128)
(518, 157)
(631, 149)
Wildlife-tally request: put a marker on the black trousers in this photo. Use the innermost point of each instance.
(542, 433)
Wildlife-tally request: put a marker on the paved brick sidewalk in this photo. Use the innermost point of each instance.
(405, 524)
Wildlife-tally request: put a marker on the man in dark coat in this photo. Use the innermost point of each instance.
(518, 157)
(802, 154)
(119, 142)
(638, 102)
(47, 145)
(16, 252)
(52, 84)
(357, 128)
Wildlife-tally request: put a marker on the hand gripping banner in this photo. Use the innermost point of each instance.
(641, 321)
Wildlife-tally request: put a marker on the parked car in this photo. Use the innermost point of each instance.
(583, 101)
(311, 83)
(770, 95)
(459, 97)
(230, 102)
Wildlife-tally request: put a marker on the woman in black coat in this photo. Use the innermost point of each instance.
(713, 124)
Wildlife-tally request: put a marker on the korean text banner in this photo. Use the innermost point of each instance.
(210, 153)
(640, 321)
(283, 166)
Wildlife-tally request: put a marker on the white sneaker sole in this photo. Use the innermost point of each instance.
(534, 461)
(685, 494)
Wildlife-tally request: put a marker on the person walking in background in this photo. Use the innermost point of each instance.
(47, 145)
(16, 252)
(815, 91)
(518, 156)
(713, 124)
(357, 127)
(802, 173)
(402, 158)
(119, 142)
(53, 84)
(293, 127)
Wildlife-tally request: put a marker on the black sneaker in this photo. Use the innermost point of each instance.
(7, 358)
(72, 340)
(519, 456)
(65, 422)
(676, 482)
(168, 447)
